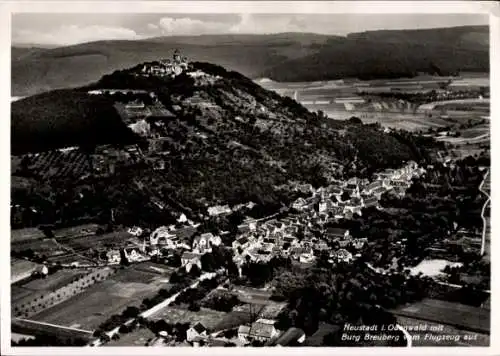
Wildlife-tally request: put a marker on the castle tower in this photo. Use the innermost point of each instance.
(177, 56)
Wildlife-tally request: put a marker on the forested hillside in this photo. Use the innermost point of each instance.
(282, 57)
(231, 142)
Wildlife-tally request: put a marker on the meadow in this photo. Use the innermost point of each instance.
(87, 310)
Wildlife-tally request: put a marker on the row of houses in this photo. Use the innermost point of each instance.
(262, 330)
(222, 210)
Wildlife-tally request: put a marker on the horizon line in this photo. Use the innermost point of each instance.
(56, 45)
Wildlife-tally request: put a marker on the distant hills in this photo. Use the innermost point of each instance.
(280, 57)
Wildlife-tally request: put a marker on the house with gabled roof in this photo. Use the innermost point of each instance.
(400, 183)
(291, 337)
(337, 233)
(359, 242)
(189, 259)
(204, 242)
(163, 236)
(261, 330)
(305, 188)
(196, 331)
(242, 242)
(342, 255)
(336, 192)
(219, 210)
(299, 204)
(369, 202)
(372, 186)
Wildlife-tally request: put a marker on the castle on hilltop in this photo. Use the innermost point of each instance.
(167, 67)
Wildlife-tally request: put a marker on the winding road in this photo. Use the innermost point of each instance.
(485, 222)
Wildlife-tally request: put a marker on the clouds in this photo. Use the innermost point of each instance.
(246, 24)
(72, 34)
(170, 26)
(264, 24)
(67, 29)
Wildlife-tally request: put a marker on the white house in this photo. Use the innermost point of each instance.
(219, 210)
(359, 243)
(203, 243)
(299, 204)
(163, 236)
(136, 231)
(306, 258)
(113, 256)
(196, 331)
(342, 255)
(242, 242)
(133, 255)
(189, 259)
(263, 330)
(243, 333)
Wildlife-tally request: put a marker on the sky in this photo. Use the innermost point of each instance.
(69, 29)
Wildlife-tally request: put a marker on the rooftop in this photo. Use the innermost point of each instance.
(199, 328)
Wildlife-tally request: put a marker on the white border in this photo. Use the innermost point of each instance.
(347, 7)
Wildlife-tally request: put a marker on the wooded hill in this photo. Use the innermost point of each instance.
(281, 57)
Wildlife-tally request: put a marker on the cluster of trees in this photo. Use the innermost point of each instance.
(117, 320)
(219, 258)
(50, 340)
(193, 296)
(373, 55)
(177, 330)
(63, 118)
(257, 274)
(343, 293)
(221, 301)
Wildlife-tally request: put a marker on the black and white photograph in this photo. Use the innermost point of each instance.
(238, 176)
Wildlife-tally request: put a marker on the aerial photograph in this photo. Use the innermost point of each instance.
(249, 180)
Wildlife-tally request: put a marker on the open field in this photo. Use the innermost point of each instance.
(76, 231)
(453, 314)
(48, 247)
(69, 258)
(475, 131)
(238, 316)
(97, 241)
(32, 327)
(481, 104)
(461, 337)
(20, 269)
(252, 295)
(483, 138)
(56, 280)
(128, 287)
(433, 267)
(340, 100)
(208, 317)
(28, 234)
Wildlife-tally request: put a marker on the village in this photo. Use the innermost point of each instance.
(293, 235)
(158, 277)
